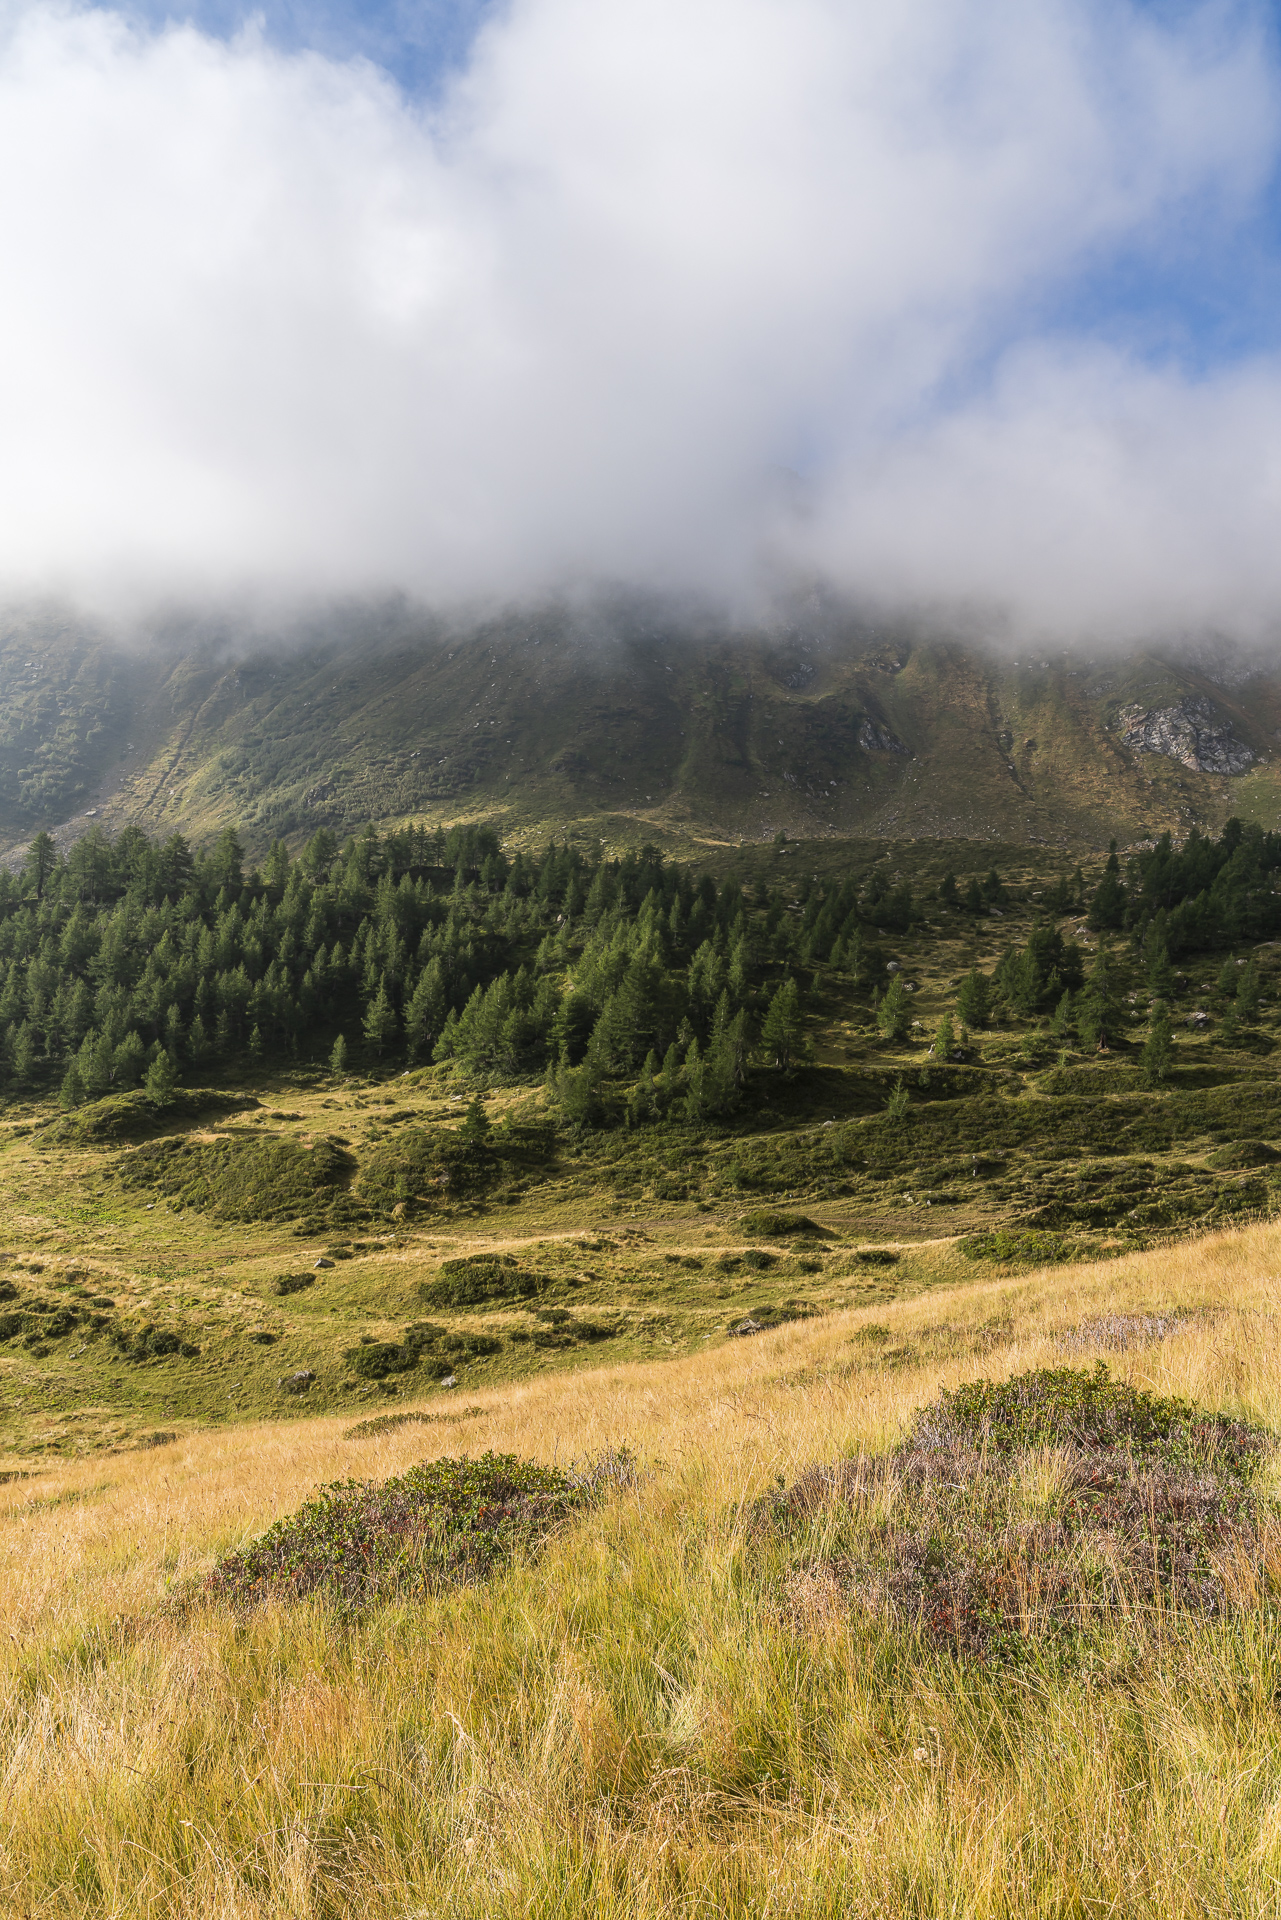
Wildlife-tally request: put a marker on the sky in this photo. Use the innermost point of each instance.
(967, 307)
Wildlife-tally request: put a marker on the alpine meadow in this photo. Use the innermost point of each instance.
(640, 960)
(569, 1366)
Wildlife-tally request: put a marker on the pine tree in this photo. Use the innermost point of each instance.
(162, 1079)
(128, 1061)
(1098, 1007)
(973, 1002)
(72, 1091)
(782, 1035)
(40, 863)
(1160, 972)
(380, 1020)
(338, 1057)
(425, 1013)
(894, 1013)
(1107, 907)
(1158, 1051)
(199, 1044)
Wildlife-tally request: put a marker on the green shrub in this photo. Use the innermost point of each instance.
(768, 1225)
(1065, 1406)
(1243, 1153)
(1151, 1498)
(246, 1180)
(375, 1359)
(1028, 1249)
(151, 1343)
(442, 1524)
(287, 1283)
(477, 1278)
(134, 1116)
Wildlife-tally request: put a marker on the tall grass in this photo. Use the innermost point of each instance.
(639, 1722)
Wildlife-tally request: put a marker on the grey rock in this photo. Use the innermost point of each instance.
(874, 738)
(1188, 733)
(299, 1382)
(322, 1263)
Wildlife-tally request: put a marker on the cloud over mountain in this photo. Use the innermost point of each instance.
(266, 325)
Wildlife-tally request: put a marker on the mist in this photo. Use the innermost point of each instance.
(273, 332)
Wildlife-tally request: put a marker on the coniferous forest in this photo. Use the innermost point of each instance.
(635, 987)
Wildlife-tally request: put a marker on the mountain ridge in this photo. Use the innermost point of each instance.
(625, 726)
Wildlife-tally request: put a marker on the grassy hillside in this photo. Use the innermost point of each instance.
(293, 1236)
(674, 1706)
(623, 725)
(679, 1187)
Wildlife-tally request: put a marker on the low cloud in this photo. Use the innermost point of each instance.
(270, 329)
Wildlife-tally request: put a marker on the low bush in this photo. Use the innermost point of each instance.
(1063, 1406)
(246, 1180)
(381, 1423)
(135, 1116)
(287, 1283)
(375, 1359)
(442, 1524)
(765, 1224)
(1029, 1248)
(151, 1343)
(1243, 1153)
(1034, 1511)
(478, 1278)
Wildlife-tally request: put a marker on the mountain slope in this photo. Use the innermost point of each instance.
(630, 724)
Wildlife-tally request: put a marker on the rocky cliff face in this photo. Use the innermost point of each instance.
(1189, 733)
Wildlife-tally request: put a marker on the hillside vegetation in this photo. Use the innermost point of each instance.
(589, 1108)
(543, 1378)
(706, 1690)
(624, 723)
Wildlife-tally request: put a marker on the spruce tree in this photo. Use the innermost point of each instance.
(894, 1013)
(973, 1002)
(162, 1079)
(1158, 1051)
(782, 1033)
(380, 1020)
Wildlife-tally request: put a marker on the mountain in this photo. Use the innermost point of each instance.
(627, 723)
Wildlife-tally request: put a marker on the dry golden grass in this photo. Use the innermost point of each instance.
(636, 1724)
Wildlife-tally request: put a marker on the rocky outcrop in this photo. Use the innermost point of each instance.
(874, 738)
(1188, 733)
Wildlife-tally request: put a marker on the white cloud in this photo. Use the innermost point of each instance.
(265, 327)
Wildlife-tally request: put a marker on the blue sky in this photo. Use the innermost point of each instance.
(419, 42)
(1204, 295)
